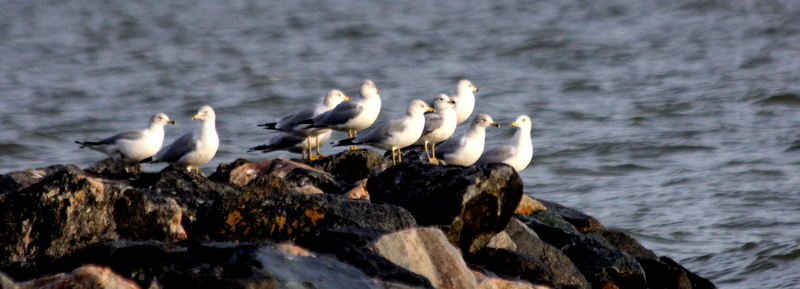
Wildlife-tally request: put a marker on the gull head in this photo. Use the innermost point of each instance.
(334, 97)
(206, 113)
(483, 121)
(160, 119)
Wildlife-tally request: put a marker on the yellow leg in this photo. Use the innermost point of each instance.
(353, 134)
(319, 155)
(399, 156)
(426, 151)
(308, 151)
(394, 160)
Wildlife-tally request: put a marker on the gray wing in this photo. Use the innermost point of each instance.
(496, 155)
(382, 132)
(450, 145)
(432, 122)
(128, 135)
(177, 149)
(340, 114)
(283, 141)
(288, 121)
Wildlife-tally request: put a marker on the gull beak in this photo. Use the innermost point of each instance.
(513, 124)
(346, 97)
(476, 89)
(196, 116)
(495, 124)
(431, 109)
(452, 102)
(378, 91)
(171, 121)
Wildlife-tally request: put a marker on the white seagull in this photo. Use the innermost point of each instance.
(439, 126)
(133, 146)
(467, 147)
(194, 149)
(351, 116)
(518, 152)
(397, 133)
(465, 99)
(290, 123)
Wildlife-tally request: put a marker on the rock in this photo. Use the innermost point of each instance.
(115, 170)
(193, 192)
(68, 210)
(6, 282)
(291, 271)
(493, 282)
(664, 276)
(599, 263)
(697, 281)
(528, 205)
(471, 204)
(282, 177)
(19, 180)
(584, 223)
(85, 277)
(347, 245)
(565, 275)
(426, 251)
(287, 217)
(508, 263)
(625, 243)
(359, 191)
(502, 241)
(351, 166)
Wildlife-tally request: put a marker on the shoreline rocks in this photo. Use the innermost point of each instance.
(347, 221)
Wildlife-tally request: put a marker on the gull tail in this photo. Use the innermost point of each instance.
(89, 143)
(345, 142)
(270, 125)
(262, 148)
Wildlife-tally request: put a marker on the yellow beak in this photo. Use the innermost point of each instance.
(431, 109)
(171, 121)
(346, 97)
(513, 124)
(495, 124)
(196, 116)
(451, 102)
(378, 91)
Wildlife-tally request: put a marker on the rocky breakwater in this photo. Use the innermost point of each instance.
(347, 221)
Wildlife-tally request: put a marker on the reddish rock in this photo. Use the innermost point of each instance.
(84, 277)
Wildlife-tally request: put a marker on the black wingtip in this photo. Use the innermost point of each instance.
(147, 160)
(261, 148)
(344, 142)
(270, 125)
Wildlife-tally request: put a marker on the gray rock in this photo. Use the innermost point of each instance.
(427, 252)
(351, 166)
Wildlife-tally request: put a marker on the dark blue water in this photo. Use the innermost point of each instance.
(660, 118)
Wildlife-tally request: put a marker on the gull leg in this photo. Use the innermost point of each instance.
(426, 151)
(355, 134)
(399, 156)
(310, 150)
(394, 161)
(319, 155)
(434, 160)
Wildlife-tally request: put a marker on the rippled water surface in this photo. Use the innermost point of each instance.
(675, 121)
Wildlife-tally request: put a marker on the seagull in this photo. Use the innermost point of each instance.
(397, 133)
(290, 142)
(131, 147)
(465, 99)
(439, 126)
(194, 149)
(353, 115)
(467, 147)
(518, 152)
(290, 123)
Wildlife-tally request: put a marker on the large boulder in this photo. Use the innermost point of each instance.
(582, 222)
(427, 252)
(287, 217)
(68, 210)
(510, 264)
(280, 176)
(599, 262)
(471, 204)
(527, 242)
(19, 180)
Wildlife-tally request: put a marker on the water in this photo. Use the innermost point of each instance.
(648, 115)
